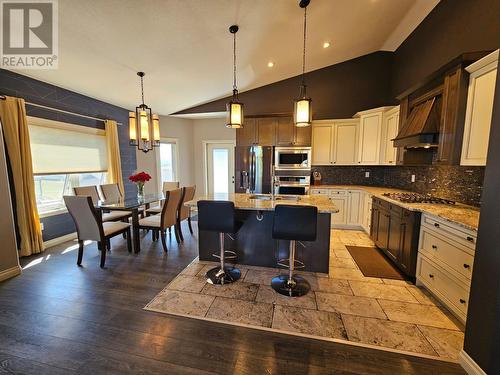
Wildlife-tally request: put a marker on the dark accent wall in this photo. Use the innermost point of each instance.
(38, 92)
(482, 334)
(337, 91)
(452, 28)
(461, 184)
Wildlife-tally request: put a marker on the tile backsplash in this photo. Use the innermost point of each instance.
(461, 184)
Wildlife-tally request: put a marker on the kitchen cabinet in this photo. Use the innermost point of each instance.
(395, 231)
(355, 207)
(479, 110)
(390, 127)
(272, 131)
(335, 142)
(370, 131)
(247, 136)
(341, 200)
(266, 128)
(367, 212)
(445, 262)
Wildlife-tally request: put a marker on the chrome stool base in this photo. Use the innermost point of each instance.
(219, 276)
(296, 288)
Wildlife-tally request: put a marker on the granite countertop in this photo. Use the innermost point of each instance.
(243, 202)
(460, 214)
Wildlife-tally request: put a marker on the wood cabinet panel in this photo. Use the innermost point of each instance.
(285, 131)
(247, 136)
(390, 131)
(302, 135)
(266, 131)
(322, 136)
(355, 208)
(340, 218)
(369, 138)
(345, 150)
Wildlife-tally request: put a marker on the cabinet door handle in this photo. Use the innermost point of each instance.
(462, 301)
(466, 265)
(434, 247)
(470, 239)
(431, 275)
(436, 225)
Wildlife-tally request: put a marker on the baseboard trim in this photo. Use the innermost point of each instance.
(10, 272)
(468, 364)
(59, 240)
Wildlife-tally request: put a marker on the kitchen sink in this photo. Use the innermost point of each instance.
(265, 197)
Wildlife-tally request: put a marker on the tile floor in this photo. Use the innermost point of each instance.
(342, 305)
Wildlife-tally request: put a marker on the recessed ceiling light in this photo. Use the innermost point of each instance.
(326, 44)
(270, 64)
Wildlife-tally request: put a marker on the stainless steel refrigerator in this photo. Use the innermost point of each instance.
(253, 169)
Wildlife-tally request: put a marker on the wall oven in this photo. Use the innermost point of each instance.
(295, 185)
(292, 158)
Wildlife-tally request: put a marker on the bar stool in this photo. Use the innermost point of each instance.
(293, 223)
(219, 216)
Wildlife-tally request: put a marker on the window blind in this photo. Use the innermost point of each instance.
(60, 149)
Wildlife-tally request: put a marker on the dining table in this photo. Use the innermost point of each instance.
(132, 203)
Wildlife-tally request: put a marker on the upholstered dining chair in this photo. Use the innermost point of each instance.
(89, 226)
(167, 186)
(158, 224)
(184, 212)
(91, 191)
(112, 193)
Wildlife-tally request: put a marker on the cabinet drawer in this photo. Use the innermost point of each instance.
(338, 192)
(320, 191)
(395, 209)
(466, 238)
(455, 295)
(447, 252)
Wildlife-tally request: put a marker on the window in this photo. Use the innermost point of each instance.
(168, 160)
(64, 156)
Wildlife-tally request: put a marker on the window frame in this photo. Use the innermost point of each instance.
(174, 141)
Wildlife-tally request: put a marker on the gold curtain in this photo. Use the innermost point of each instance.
(114, 160)
(17, 141)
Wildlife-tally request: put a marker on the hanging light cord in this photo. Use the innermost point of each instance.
(304, 50)
(235, 89)
(142, 89)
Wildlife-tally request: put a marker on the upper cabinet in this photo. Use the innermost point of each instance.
(370, 130)
(481, 92)
(335, 142)
(390, 124)
(272, 131)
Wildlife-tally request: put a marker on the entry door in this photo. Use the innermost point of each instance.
(220, 168)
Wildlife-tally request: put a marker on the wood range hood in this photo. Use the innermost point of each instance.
(432, 115)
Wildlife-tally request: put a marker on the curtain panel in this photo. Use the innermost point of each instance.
(17, 142)
(114, 159)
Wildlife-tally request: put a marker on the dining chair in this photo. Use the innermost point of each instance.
(89, 226)
(167, 186)
(91, 191)
(158, 224)
(184, 212)
(112, 193)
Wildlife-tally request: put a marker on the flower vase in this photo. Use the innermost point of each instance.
(140, 190)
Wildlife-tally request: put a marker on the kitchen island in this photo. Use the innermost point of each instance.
(254, 244)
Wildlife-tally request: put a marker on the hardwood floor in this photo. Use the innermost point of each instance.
(57, 318)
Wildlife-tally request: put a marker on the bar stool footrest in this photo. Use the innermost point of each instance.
(231, 255)
(286, 263)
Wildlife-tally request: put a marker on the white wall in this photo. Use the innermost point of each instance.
(207, 130)
(190, 134)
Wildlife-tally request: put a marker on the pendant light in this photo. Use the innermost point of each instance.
(234, 108)
(144, 126)
(302, 113)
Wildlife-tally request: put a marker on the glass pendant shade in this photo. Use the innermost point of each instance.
(144, 125)
(132, 129)
(156, 130)
(302, 113)
(234, 115)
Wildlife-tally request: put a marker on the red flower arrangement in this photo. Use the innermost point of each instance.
(140, 178)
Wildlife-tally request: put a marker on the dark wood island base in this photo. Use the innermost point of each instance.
(255, 246)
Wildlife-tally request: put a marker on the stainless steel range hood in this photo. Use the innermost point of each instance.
(421, 128)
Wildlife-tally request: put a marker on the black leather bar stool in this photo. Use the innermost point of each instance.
(219, 216)
(293, 223)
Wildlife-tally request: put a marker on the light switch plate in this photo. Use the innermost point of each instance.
(367, 174)
(41, 226)
(412, 178)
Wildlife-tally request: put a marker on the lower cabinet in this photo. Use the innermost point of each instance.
(445, 262)
(395, 231)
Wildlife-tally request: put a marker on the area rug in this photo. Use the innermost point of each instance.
(330, 311)
(373, 263)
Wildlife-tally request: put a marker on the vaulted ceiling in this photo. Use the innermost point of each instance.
(186, 50)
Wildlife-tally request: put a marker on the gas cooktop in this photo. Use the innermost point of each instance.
(417, 198)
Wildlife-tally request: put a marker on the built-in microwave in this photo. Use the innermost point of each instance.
(292, 158)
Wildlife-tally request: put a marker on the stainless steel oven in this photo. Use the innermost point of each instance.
(296, 185)
(292, 158)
